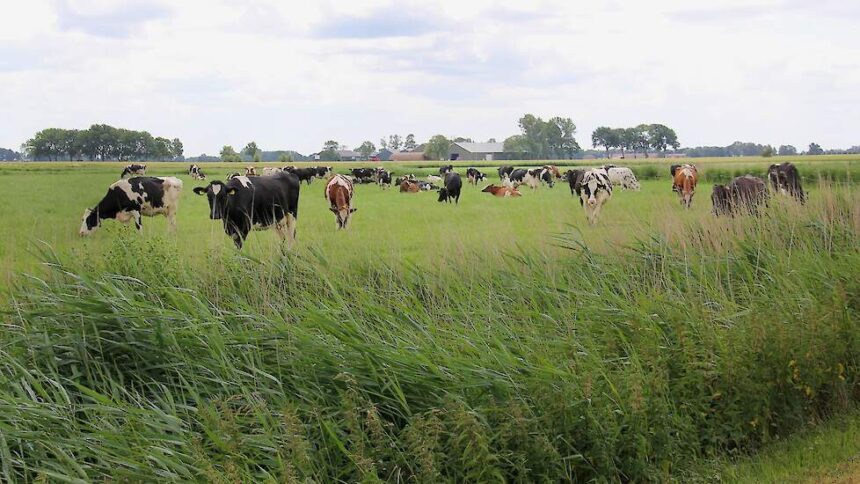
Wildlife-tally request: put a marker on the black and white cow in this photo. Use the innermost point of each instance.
(363, 175)
(383, 177)
(534, 177)
(451, 190)
(196, 173)
(515, 178)
(446, 169)
(474, 175)
(505, 171)
(322, 171)
(135, 169)
(131, 198)
(304, 174)
(245, 203)
(593, 189)
(785, 179)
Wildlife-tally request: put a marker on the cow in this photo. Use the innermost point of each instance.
(322, 171)
(553, 170)
(505, 171)
(233, 175)
(383, 178)
(684, 179)
(623, 177)
(403, 178)
(250, 171)
(244, 203)
(574, 179)
(474, 176)
(501, 191)
(534, 177)
(515, 178)
(451, 190)
(409, 186)
(339, 192)
(130, 198)
(434, 179)
(304, 174)
(363, 172)
(743, 193)
(134, 169)
(196, 173)
(446, 169)
(593, 189)
(784, 178)
(271, 170)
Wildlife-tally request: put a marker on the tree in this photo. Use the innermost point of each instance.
(228, 154)
(767, 152)
(285, 158)
(606, 137)
(409, 144)
(383, 145)
(641, 141)
(815, 149)
(787, 150)
(331, 145)
(661, 137)
(460, 139)
(178, 150)
(560, 139)
(394, 142)
(518, 144)
(251, 150)
(437, 148)
(366, 149)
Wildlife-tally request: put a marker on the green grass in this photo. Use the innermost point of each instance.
(495, 340)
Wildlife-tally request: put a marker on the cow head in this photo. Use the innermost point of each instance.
(90, 221)
(342, 215)
(216, 193)
(720, 200)
(574, 179)
(443, 194)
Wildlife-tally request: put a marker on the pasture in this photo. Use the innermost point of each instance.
(500, 339)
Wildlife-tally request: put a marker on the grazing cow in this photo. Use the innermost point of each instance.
(623, 177)
(684, 179)
(196, 173)
(130, 198)
(245, 203)
(271, 170)
(515, 178)
(250, 171)
(322, 171)
(446, 169)
(304, 174)
(593, 188)
(451, 190)
(574, 179)
(505, 171)
(784, 178)
(409, 186)
(339, 192)
(363, 172)
(383, 178)
(475, 176)
(501, 191)
(534, 177)
(553, 170)
(743, 193)
(134, 169)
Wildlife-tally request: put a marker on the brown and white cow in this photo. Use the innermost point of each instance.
(409, 186)
(684, 179)
(339, 193)
(553, 170)
(501, 191)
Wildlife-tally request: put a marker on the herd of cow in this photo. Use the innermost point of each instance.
(246, 202)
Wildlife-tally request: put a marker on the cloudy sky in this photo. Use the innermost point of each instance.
(292, 74)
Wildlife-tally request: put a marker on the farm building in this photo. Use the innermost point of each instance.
(383, 155)
(478, 151)
(408, 156)
(348, 155)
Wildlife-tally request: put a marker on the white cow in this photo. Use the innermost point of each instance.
(623, 177)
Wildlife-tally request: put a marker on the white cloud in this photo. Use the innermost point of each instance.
(293, 74)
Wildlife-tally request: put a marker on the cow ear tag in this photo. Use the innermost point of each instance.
(231, 191)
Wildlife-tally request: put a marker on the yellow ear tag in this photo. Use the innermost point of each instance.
(231, 191)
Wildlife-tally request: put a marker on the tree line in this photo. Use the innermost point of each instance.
(100, 142)
(641, 138)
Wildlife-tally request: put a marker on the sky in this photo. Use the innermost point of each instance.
(293, 74)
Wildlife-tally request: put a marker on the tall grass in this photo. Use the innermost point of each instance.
(698, 339)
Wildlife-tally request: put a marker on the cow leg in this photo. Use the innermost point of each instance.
(137, 220)
(289, 221)
(171, 221)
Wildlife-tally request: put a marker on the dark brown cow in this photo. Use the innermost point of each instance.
(502, 192)
(339, 192)
(743, 193)
(784, 178)
(409, 186)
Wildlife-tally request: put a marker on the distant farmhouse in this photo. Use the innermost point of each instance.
(348, 155)
(479, 151)
(408, 156)
(636, 156)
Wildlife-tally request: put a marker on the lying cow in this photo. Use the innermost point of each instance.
(133, 197)
(784, 178)
(451, 190)
(434, 179)
(250, 171)
(339, 192)
(243, 203)
(134, 169)
(622, 177)
(593, 189)
(684, 179)
(501, 191)
(474, 175)
(409, 186)
(271, 170)
(744, 193)
(383, 178)
(196, 173)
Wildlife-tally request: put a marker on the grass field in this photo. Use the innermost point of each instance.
(494, 340)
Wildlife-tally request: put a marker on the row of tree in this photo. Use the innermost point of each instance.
(101, 142)
(640, 138)
(543, 140)
(739, 148)
(9, 155)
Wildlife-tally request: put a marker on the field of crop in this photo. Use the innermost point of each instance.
(501, 339)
